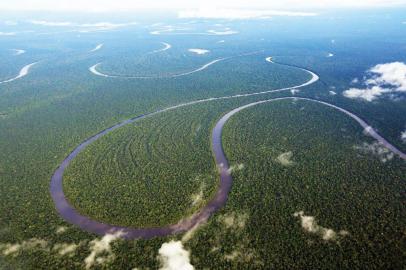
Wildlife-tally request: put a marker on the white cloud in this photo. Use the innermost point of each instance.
(176, 30)
(129, 5)
(101, 250)
(46, 23)
(173, 256)
(199, 51)
(234, 255)
(85, 27)
(10, 23)
(355, 80)
(391, 73)
(294, 91)
(376, 149)
(107, 25)
(285, 158)
(403, 136)
(65, 248)
(309, 224)
(222, 33)
(384, 78)
(7, 33)
(197, 198)
(234, 168)
(369, 94)
(190, 233)
(166, 29)
(244, 255)
(330, 55)
(13, 249)
(61, 229)
(210, 13)
(331, 92)
(234, 220)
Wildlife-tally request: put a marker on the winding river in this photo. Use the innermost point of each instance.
(72, 216)
(93, 69)
(167, 46)
(23, 72)
(98, 47)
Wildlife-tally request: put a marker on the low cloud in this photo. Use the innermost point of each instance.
(294, 91)
(368, 94)
(173, 256)
(85, 27)
(376, 149)
(234, 168)
(235, 234)
(47, 23)
(13, 249)
(65, 248)
(191, 233)
(331, 92)
(383, 79)
(100, 250)
(243, 255)
(61, 229)
(354, 81)
(222, 33)
(239, 14)
(309, 224)
(7, 33)
(10, 23)
(199, 51)
(234, 220)
(180, 30)
(106, 25)
(167, 29)
(391, 73)
(403, 136)
(197, 198)
(285, 158)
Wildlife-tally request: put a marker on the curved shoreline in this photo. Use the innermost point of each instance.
(367, 128)
(72, 216)
(93, 69)
(23, 72)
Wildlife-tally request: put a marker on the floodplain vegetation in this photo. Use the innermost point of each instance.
(310, 189)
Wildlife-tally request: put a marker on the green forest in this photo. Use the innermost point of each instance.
(310, 189)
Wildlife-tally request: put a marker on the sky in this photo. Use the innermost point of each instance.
(136, 5)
